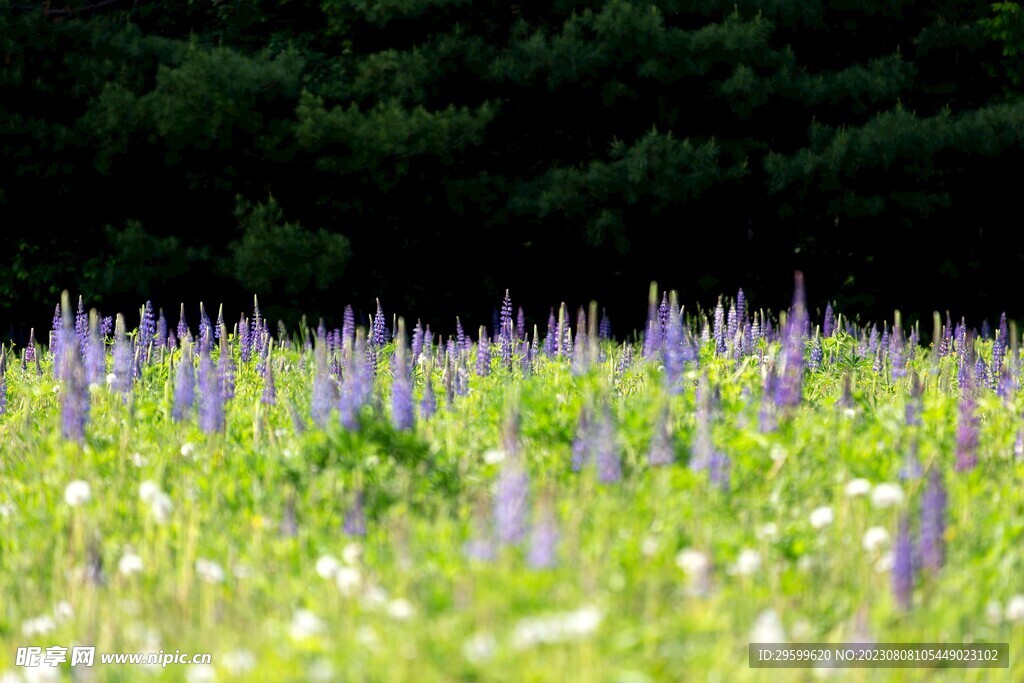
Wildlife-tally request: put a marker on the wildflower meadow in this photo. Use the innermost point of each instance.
(547, 498)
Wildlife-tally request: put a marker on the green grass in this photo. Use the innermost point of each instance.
(429, 492)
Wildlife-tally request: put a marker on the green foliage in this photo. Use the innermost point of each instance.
(533, 131)
(281, 257)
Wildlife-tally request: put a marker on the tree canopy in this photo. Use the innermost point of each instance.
(308, 151)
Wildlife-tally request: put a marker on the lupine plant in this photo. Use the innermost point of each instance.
(538, 501)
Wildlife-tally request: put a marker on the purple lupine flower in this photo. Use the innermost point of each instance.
(81, 326)
(403, 413)
(520, 323)
(583, 442)
(483, 354)
(674, 341)
(460, 335)
(903, 569)
(911, 469)
(160, 336)
(417, 342)
(933, 523)
(269, 397)
(218, 328)
(323, 386)
(95, 356)
(732, 322)
(789, 390)
(205, 327)
(30, 348)
(828, 325)
(817, 354)
(551, 340)
(348, 326)
(211, 394)
(510, 501)
(719, 330)
(543, 552)
(123, 357)
(244, 340)
(625, 360)
(567, 345)
(355, 518)
(609, 464)
(184, 386)
(182, 329)
(357, 389)
(428, 404)
(662, 450)
(967, 437)
(604, 330)
(718, 469)
(663, 312)
(879, 363)
(289, 526)
(75, 391)
(147, 332)
(55, 339)
(226, 367)
(580, 356)
(507, 331)
(256, 332)
(379, 337)
(897, 355)
(998, 353)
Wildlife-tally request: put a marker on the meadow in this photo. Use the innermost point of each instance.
(526, 503)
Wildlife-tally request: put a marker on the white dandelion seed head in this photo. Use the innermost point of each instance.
(111, 378)
(188, 449)
(139, 460)
(886, 495)
(768, 531)
(875, 539)
(327, 566)
(401, 609)
(148, 490)
(6, 510)
(77, 493)
(348, 580)
(1015, 609)
(493, 456)
(857, 487)
(748, 562)
(693, 562)
(305, 624)
(129, 564)
(768, 628)
(821, 517)
(649, 546)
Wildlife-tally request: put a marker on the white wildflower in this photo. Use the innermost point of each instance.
(748, 562)
(327, 566)
(768, 628)
(875, 539)
(77, 493)
(1015, 609)
(129, 564)
(209, 571)
(305, 624)
(886, 495)
(821, 517)
(857, 487)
